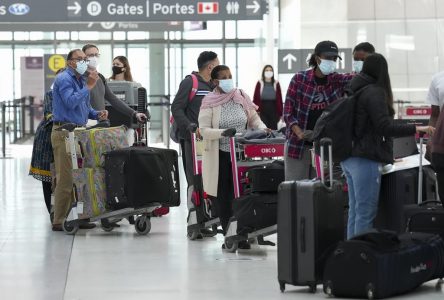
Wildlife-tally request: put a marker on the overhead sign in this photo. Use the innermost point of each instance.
(101, 26)
(52, 63)
(130, 10)
(295, 60)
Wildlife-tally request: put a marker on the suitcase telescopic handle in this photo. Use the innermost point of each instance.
(420, 176)
(327, 142)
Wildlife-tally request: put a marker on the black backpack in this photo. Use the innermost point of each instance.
(337, 123)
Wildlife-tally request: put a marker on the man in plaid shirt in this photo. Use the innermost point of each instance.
(308, 94)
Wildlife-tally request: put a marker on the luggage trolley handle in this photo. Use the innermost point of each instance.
(420, 171)
(193, 130)
(234, 167)
(328, 142)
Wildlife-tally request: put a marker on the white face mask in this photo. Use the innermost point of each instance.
(268, 74)
(327, 66)
(357, 66)
(227, 85)
(93, 62)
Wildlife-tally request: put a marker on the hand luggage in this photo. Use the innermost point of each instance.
(427, 216)
(138, 176)
(95, 142)
(381, 264)
(310, 223)
(255, 211)
(266, 178)
(89, 192)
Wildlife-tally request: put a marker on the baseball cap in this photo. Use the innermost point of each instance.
(327, 48)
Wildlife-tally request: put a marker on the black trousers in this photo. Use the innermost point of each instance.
(225, 190)
(47, 194)
(269, 115)
(438, 165)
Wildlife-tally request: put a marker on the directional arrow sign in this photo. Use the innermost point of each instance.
(289, 58)
(74, 9)
(253, 7)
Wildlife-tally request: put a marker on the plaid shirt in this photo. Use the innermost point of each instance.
(300, 94)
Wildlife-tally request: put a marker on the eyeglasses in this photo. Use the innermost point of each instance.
(94, 55)
(79, 59)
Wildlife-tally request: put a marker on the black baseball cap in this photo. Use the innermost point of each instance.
(327, 48)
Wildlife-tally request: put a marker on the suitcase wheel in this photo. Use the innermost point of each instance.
(439, 284)
(231, 246)
(282, 286)
(313, 287)
(370, 291)
(142, 225)
(106, 225)
(194, 235)
(328, 288)
(70, 228)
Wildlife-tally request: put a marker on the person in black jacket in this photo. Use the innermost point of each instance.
(185, 111)
(373, 146)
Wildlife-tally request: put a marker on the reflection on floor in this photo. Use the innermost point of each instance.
(36, 263)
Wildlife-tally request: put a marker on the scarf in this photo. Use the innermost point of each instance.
(216, 98)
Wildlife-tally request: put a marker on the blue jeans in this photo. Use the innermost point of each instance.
(364, 182)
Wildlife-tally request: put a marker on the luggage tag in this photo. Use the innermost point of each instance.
(80, 207)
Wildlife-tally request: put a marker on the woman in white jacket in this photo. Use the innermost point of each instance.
(224, 111)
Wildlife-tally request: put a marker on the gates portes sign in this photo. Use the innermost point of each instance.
(129, 11)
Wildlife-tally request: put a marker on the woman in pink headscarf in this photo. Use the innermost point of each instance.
(224, 112)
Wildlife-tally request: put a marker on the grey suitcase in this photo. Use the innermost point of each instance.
(310, 224)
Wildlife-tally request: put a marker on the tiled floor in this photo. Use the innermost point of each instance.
(36, 263)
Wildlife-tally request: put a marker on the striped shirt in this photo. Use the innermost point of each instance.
(301, 93)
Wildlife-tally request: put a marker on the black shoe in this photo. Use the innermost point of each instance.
(87, 226)
(244, 245)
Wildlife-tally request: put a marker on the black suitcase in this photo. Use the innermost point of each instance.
(427, 216)
(266, 178)
(255, 211)
(138, 176)
(397, 190)
(380, 264)
(310, 224)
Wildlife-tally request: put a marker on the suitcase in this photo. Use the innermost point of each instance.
(380, 264)
(139, 176)
(427, 216)
(89, 192)
(397, 190)
(265, 178)
(255, 211)
(95, 142)
(310, 224)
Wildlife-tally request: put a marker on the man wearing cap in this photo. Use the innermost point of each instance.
(308, 94)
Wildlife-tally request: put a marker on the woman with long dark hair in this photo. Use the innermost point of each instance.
(268, 97)
(374, 127)
(224, 111)
(121, 69)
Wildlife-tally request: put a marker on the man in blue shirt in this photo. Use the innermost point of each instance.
(71, 104)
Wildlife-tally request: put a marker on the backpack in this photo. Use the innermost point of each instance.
(337, 123)
(174, 129)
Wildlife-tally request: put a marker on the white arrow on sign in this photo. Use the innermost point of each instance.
(255, 7)
(290, 57)
(76, 8)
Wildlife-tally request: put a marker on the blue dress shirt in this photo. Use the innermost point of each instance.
(71, 99)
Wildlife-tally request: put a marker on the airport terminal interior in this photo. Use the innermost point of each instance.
(41, 264)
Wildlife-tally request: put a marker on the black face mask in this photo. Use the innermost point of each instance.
(117, 70)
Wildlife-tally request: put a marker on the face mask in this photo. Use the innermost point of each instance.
(93, 62)
(117, 70)
(226, 85)
(357, 66)
(268, 74)
(81, 67)
(327, 66)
